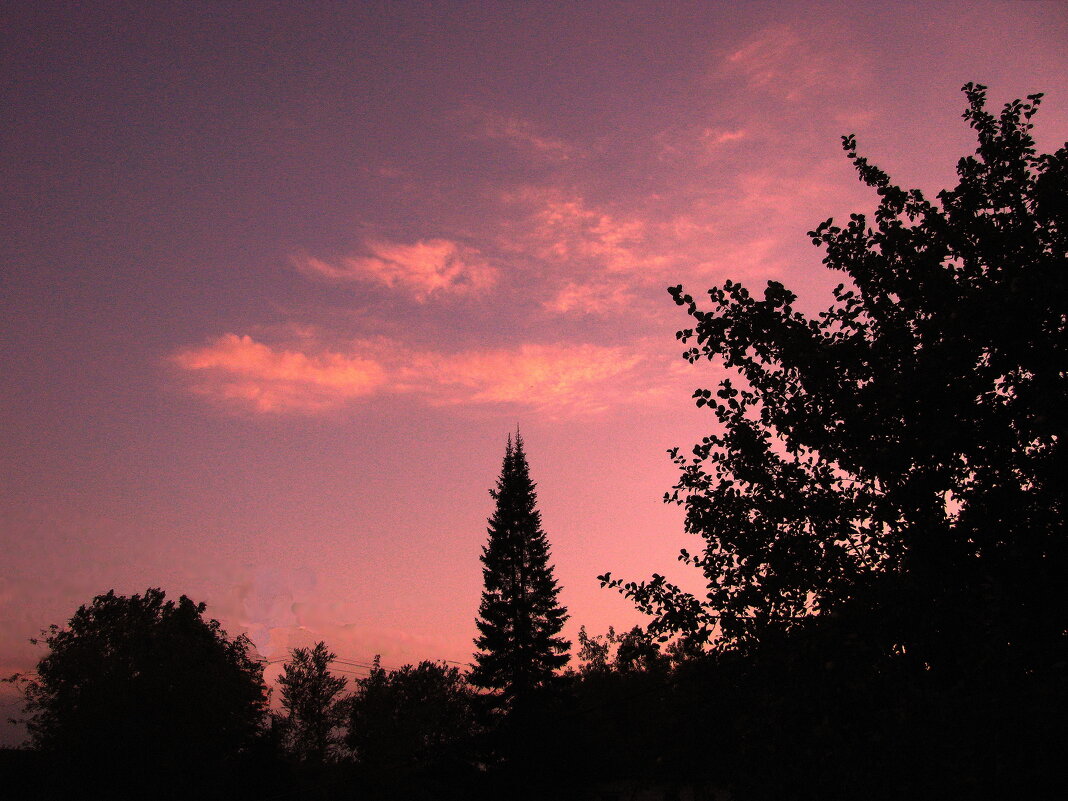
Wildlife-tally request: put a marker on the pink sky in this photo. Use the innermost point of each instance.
(279, 280)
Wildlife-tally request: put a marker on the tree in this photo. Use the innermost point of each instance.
(900, 455)
(594, 652)
(520, 616)
(638, 650)
(412, 718)
(144, 692)
(314, 710)
(634, 650)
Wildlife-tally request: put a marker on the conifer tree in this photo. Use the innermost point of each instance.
(520, 616)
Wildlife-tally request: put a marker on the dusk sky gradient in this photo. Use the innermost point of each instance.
(279, 279)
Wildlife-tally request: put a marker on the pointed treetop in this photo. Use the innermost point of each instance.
(520, 616)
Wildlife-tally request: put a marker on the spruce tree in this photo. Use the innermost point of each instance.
(520, 616)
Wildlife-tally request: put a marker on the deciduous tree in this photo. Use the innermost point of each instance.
(411, 719)
(311, 697)
(901, 452)
(145, 694)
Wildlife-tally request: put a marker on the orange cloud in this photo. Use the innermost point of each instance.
(239, 369)
(424, 268)
(561, 378)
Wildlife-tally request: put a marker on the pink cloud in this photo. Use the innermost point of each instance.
(559, 378)
(781, 62)
(594, 259)
(798, 195)
(565, 228)
(424, 268)
(239, 369)
(583, 249)
(696, 146)
(521, 134)
(588, 298)
(712, 138)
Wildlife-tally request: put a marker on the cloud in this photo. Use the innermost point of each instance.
(779, 61)
(589, 298)
(798, 196)
(521, 134)
(424, 268)
(555, 378)
(239, 369)
(713, 138)
(702, 146)
(583, 250)
(566, 229)
(263, 379)
(592, 258)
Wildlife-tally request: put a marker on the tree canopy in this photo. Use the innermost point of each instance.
(412, 718)
(520, 616)
(901, 451)
(311, 697)
(141, 688)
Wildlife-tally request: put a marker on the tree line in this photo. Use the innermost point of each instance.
(880, 511)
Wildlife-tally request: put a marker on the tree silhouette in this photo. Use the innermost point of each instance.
(411, 719)
(520, 616)
(901, 452)
(311, 699)
(594, 652)
(634, 650)
(142, 694)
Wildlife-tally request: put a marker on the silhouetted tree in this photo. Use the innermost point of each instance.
(311, 698)
(594, 652)
(520, 616)
(633, 650)
(902, 451)
(142, 694)
(637, 649)
(411, 719)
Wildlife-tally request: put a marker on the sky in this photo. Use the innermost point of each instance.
(279, 279)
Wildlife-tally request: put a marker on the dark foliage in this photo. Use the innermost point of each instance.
(311, 698)
(633, 650)
(902, 450)
(142, 694)
(881, 503)
(520, 616)
(417, 721)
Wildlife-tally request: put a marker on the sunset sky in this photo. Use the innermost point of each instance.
(279, 279)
